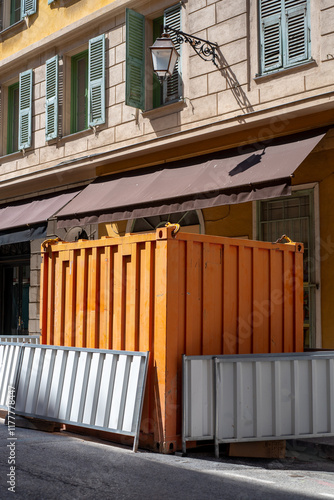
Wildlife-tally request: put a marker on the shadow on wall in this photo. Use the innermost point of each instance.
(233, 84)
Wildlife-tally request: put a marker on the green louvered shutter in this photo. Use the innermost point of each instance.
(96, 81)
(25, 109)
(271, 34)
(296, 31)
(135, 60)
(173, 86)
(28, 7)
(51, 96)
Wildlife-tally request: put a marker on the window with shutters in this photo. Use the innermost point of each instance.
(153, 94)
(79, 92)
(284, 33)
(13, 11)
(13, 119)
(19, 114)
(87, 104)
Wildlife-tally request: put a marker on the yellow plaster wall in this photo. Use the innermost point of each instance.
(230, 220)
(48, 20)
(326, 190)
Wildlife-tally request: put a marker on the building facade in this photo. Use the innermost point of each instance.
(92, 145)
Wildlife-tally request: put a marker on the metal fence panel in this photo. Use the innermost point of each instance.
(9, 362)
(198, 398)
(258, 397)
(25, 339)
(92, 388)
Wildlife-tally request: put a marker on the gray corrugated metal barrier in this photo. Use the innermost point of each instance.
(92, 388)
(25, 339)
(258, 397)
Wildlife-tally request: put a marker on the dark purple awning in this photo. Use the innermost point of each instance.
(31, 212)
(252, 172)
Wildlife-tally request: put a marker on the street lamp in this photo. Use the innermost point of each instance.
(164, 56)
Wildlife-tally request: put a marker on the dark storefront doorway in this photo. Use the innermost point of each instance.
(15, 282)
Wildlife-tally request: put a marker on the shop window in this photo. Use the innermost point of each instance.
(284, 33)
(14, 289)
(294, 216)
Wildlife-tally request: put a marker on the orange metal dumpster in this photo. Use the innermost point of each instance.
(188, 294)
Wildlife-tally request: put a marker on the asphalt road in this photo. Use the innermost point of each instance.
(67, 466)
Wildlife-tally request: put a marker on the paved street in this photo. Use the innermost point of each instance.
(68, 466)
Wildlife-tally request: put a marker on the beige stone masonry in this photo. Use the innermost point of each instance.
(227, 10)
(288, 86)
(202, 19)
(327, 21)
(101, 138)
(198, 87)
(228, 31)
(196, 5)
(73, 146)
(127, 131)
(325, 78)
(114, 115)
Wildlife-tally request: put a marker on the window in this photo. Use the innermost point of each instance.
(19, 113)
(87, 86)
(171, 90)
(13, 119)
(15, 11)
(284, 33)
(12, 11)
(79, 92)
(294, 216)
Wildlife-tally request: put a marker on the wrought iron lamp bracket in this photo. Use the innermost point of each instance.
(205, 49)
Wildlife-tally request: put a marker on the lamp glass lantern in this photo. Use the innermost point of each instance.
(164, 56)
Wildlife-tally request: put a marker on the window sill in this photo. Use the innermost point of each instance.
(74, 135)
(12, 29)
(12, 156)
(164, 110)
(285, 71)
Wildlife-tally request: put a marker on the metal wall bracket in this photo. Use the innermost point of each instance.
(205, 49)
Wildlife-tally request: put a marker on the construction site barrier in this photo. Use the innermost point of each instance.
(93, 388)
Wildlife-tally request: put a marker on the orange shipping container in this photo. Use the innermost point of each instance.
(188, 294)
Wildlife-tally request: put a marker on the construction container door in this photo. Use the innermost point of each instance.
(294, 216)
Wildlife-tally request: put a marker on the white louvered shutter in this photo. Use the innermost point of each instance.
(25, 109)
(172, 90)
(96, 81)
(271, 34)
(28, 7)
(51, 96)
(296, 31)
